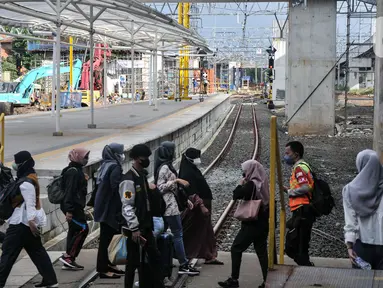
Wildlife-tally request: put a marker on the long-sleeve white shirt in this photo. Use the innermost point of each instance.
(368, 229)
(27, 210)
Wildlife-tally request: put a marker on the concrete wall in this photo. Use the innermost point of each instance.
(279, 84)
(311, 55)
(197, 134)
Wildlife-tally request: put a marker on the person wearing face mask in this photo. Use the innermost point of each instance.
(253, 186)
(199, 239)
(168, 183)
(75, 186)
(107, 206)
(138, 206)
(23, 231)
(300, 192)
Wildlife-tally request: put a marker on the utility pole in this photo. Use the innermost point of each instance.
(378, 96)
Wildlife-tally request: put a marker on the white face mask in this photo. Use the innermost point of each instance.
(197, 161)
(121, 157)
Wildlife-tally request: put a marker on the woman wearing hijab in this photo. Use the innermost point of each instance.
(108, 207)
(199, 239)
(167, 181)
(363, 211)
(24, 224)
(75, 185)
(254, 181)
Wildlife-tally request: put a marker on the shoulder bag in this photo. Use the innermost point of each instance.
(248, 210)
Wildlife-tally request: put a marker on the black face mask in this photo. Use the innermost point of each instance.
(145, 163)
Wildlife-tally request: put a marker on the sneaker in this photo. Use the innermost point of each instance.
(77, 266)
(229, 283)
(44, 285)
(187, 269)
(67, 261)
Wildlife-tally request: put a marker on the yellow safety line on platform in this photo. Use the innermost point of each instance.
(93, 141)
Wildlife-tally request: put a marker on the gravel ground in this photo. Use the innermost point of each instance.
(225, 177)
(332, 157)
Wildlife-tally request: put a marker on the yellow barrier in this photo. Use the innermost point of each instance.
(275, 164)
(2, 120)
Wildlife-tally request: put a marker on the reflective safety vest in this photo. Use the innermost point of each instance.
(296, 181)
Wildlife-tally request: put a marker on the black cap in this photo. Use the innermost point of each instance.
(140, 150)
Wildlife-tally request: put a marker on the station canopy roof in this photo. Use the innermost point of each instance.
(118, 22)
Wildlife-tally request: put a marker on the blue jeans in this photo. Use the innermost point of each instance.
(175, 226)
(158, 223)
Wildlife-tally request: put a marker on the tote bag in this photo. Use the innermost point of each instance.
(117, 250)
(248, 210)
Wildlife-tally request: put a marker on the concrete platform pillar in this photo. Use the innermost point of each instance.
(378, 100)
(311, 55)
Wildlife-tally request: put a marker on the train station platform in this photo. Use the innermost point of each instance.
(33, 132)
(188, 123)
(328, 272)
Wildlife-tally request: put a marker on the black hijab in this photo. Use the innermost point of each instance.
(164, 155)
(190, 172)
(25, 164)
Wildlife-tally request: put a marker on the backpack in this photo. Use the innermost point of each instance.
(7, 194)
(321, 201)
(5, 176)
(56, 189)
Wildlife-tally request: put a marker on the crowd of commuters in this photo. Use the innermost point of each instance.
(181, 202)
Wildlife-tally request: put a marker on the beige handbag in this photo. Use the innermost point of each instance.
(248, 210)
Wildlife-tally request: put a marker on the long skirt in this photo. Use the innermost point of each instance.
(198, 235)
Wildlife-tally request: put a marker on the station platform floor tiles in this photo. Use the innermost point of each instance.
(126, 124)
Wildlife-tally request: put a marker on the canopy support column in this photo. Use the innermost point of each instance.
(151, 80)
(58, 131)
(155, 73)
(53, 78)
(91, 76)
(105, 75)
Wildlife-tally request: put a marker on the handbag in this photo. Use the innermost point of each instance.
(248, 210)
(117, 250)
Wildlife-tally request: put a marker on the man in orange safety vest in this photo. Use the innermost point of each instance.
(300, 193)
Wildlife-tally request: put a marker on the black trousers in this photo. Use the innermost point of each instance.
(77, 233)
(106, 236)
(146, 260)
(251, 233)
(18, 237)
(299, 235)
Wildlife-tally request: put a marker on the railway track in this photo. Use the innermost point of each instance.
(226, 218)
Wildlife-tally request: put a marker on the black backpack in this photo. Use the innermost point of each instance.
(56, 189)
(5, 176)
(7, 194)
(321, 201)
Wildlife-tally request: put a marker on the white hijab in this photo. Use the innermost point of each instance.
(366, 190)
